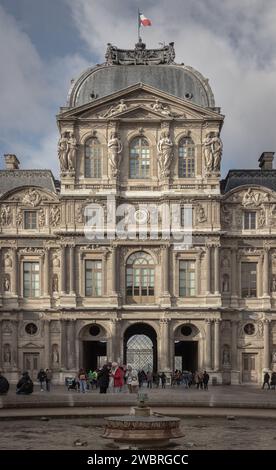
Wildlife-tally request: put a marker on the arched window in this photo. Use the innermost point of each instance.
(93, 158)
(139, 158)
(140, 278)
(186, 158)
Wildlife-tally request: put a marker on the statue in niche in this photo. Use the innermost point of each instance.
(7, 354)
(201, 216)
(8, 261)
(274, 284)
(261, 218)
(55, 354)
(56, 261)
(7, 283)
(72, 152)
(5, 215)
(55, 283)
(62, 152)
(226, 357)
(115, 148)
(165, 150)
(274, 357)
(225, 283)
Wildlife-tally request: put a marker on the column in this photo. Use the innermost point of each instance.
(112, 350)
(14, 285)
(71, 344)
(165, 346)
(265, 272)
(217, 345)
(217, 273)
(208, 345)
(234, 360)
(114, 270)
(234, 272)
(166, 270)
(1, 354)
(266, 345)
(63, 269)
(47, 361)
(72, 270)
(63, 348)
(1, 277)
(15, 344)
(208, 277)
(46, 272)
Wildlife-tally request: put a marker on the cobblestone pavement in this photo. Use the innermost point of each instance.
(216, 396)
(199, 433)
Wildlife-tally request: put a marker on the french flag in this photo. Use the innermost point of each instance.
(144, 21)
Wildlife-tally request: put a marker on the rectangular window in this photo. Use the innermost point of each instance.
(186, 278)
(31, 280)
(249, 220)
(30, 220)
(249, 279)
(93, 278)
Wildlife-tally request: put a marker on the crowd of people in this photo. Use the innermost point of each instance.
(269, 381)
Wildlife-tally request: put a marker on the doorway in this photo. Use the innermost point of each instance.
(186, 355)
(31, 363)
(249, 372)
(94, 354)
(140, 347)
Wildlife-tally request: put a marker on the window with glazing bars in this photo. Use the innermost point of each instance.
(186, 158)
(30, 220)
(93, 278)
(93, 158)
(249, 279)
(186, 278)
(31, 279)
(139, 158)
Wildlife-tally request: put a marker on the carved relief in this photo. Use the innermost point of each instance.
(56, 261)
(261, 218)
(54, 216)
(41, 218)
(31, 198)
(252, 198)
(19, 218)
(79, 214)
(140, 55)
(5, 215)
(226, 216)
(7, 327)
(200, 214)
(7, 261)
(119, 108)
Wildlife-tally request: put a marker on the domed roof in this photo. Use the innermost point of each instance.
(153, 67)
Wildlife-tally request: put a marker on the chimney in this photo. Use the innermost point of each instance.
(266, 160)
(12, 162)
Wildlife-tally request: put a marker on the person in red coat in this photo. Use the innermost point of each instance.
(117, 375)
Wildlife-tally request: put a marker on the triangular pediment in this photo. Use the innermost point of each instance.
(138, 101)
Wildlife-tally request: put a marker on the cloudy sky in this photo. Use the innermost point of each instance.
(46, 43)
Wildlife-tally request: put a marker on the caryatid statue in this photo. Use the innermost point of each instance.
(165, 150)
(62, 152)
(212, 152)
(72, 152)
(115, 148)
(208, 157)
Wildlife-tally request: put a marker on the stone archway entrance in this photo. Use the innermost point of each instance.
(186, 348)
(94, 347)
(140, 347)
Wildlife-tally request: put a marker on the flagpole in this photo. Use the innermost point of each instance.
(139, 26)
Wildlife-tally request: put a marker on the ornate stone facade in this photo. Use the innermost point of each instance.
(67, 301)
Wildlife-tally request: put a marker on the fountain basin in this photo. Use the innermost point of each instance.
(142, 431)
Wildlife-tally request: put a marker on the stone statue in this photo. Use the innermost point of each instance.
(115, 148)
(261, 218)
(216, 149)
(115, 109)
(226, 357)
(225, 283)
(8, 261)
(54, 216)
(62, 152)
(226, 215)
(72, 152)
(212, 152)
(7, 284)
(55, 283)
(55, 354)
(41, 218)
(5, 215)
(56, 262)
(251, 198)
(161, 108)
(7, 354)
(274, 284)
(165, 150)
(274, 357)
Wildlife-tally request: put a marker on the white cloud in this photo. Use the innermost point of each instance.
(31, 91)
(233, 43)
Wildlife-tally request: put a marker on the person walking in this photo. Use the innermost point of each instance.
(205, 380)
(49, 376)
(163, 380)
(41, 377)
(266, 381)
(273, 380)
(117, 375)
(103, 378)
(149, 379)
(82, 380)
